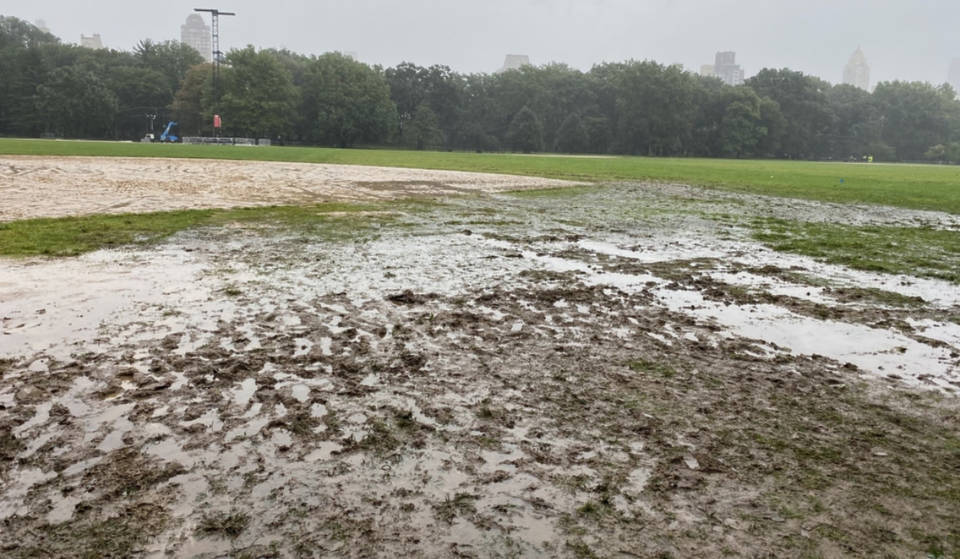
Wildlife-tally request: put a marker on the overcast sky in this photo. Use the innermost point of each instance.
(902, 39)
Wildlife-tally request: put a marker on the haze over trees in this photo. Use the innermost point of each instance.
(633, 107)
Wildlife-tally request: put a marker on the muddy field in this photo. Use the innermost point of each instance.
(67, 186)
(612, 372)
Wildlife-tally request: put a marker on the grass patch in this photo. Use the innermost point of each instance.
(71, 236)
(381, 440)
(929, 187)
(232, 291)
(89, 535)
(461, 504)
(878, 296)
(917, 251)
(644, 366)
(566, 192)
(229, 524)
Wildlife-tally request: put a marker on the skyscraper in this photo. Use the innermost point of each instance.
(92, 42)
(724, 67)
(857, 71)
(196, 33)
(514, 62)
(953, 77)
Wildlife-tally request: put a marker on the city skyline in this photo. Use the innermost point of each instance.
(907, 44)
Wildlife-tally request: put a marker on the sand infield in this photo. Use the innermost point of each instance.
(43, 186)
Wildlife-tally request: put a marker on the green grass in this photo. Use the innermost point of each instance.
(644, 366)
(225, 524)
(917, 251)
(70, 236)
(929, 187)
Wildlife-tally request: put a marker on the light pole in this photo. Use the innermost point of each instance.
(217, 55)
(151, 117)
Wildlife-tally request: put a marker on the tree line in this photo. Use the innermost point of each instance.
(633, 107)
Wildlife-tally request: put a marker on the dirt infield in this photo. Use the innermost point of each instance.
(67, 186)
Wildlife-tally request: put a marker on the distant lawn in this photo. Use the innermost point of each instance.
(927, 187)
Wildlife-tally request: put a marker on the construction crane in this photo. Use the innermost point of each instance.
(167, 135)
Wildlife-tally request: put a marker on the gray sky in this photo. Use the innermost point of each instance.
(902, 39)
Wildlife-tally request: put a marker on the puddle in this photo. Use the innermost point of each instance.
(63, 510)
(300, 392)
(16, 488)
(244, 393)
(876, 351)
(42, 308)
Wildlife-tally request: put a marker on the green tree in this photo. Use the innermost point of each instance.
(481, 116)
(572, 136)
(915, 116)
(19, 34)
(599, 133)
(552, 92)
(192, 105)
(741, 127)
(423, 129)
(802, 102)
(654, 107)
(772, 119)
(25, 61)
(259, 98)
(75, 103)
(172, 59)
(139, 91)
(712, 99)
(526, 132)
(439, 87)
(345, 102)
(856, 124)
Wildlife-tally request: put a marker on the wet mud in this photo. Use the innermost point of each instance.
(46, 186)
(607, 374)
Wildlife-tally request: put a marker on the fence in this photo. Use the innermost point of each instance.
(226, 141)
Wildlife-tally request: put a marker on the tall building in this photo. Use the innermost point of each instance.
(91, 42)
(196, 33)
(514, 62)
(857, 71)
(953, 77)
(726, 68)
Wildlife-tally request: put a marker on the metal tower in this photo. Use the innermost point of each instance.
(217, 55)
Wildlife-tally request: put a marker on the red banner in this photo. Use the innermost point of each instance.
(216, 121)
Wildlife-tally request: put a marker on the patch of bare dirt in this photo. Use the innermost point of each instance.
(37, 186)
